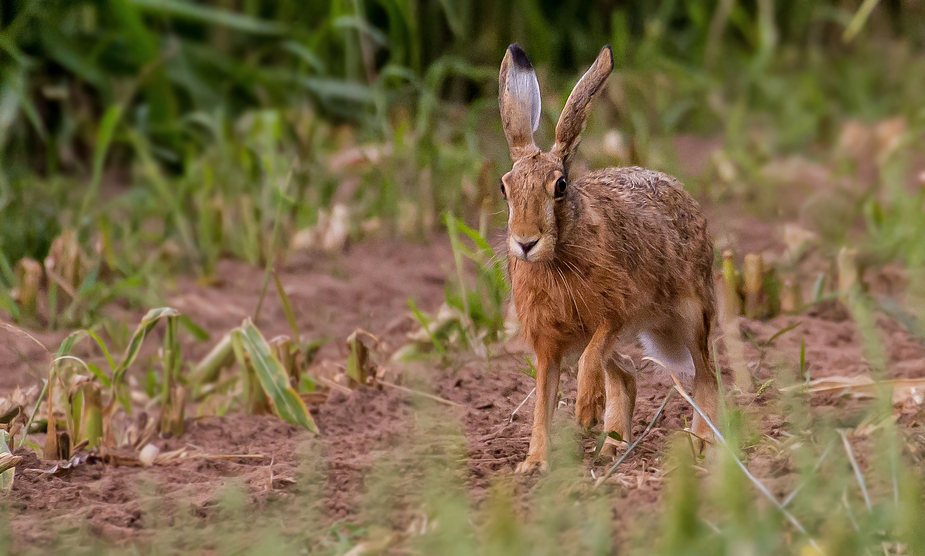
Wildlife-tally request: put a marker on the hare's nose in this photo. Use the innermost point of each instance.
(527, 244)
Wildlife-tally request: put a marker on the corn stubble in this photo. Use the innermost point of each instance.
(88, 410)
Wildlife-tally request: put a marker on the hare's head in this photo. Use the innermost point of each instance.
(541, 208)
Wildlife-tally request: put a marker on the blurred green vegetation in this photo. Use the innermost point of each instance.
(171, 110)
(173, 67)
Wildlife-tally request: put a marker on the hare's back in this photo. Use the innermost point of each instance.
(656, 227)
(651, 202)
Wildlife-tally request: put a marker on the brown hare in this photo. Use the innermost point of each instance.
(617, 252)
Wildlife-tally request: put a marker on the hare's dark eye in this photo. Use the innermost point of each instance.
(560, 188)
(503, 191)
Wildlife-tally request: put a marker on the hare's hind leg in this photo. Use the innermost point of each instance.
(621, 401)
(706, 389)
(683, 350)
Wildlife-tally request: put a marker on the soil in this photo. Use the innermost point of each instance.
(368, 287)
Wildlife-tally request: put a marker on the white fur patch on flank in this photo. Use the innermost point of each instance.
(670, 356)
(523, 86)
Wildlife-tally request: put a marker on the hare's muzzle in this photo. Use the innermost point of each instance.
(522, 246)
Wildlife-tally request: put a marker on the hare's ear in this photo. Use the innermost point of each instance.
(572, 121)
(519, 99)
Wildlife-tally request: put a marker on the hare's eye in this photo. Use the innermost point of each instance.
(560, 188)
(503, 192)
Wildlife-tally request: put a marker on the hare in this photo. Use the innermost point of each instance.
(618, 252)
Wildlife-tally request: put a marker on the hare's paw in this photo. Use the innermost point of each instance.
(612, 447)
(531, 464)
(588, 409)
(701, 435)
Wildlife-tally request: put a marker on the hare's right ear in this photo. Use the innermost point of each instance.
(519, 99)
(573, 117)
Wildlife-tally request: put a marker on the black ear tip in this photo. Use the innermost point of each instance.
(520, 57)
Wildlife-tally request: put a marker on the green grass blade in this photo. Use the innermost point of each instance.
(781, 332)
(198, 332)
(859, 20)
(8, 304)
(425, 324)
(99, 374)
(287, 308)
(99, 341)
(6, 270)
(530, 371)
(212, 16)
(68, 344)
(273, 378)
(131, 352)
(103, 140)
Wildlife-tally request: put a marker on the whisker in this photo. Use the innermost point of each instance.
(584, 283)
(577, 273)
(568, 290)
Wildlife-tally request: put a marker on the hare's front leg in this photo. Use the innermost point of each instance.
(547, 389)
(590, 399)
(589, 402)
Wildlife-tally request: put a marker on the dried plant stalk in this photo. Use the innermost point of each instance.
(92, 419)
(360, 367)
(29, 280)
(753, 272)
(282, 347)
(173, 398)
(65, 258)
(848, 275)
(173, 414)
(52, 449)
(211, 365)
(732, 303)
(791, 298)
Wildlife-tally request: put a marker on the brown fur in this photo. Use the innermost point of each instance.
(624, 250)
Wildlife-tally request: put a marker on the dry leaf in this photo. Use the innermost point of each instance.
(798, 240)
(863, 386)
(358, 155)
(314, 398)
(330, 233)
(337, 233)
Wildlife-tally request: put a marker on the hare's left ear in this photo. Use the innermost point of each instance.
(519, 99)
(574, 115)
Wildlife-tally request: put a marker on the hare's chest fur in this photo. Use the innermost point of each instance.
(555, 304)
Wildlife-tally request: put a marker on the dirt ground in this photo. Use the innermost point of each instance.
(368, 287)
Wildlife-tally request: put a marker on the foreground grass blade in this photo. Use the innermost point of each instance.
(273, 378)
(758, 484)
